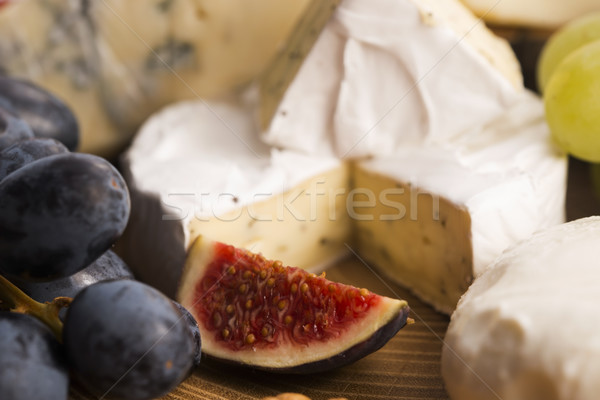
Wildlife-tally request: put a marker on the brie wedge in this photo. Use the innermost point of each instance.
(430, 217)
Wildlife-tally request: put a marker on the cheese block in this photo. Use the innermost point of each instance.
(537, 14)
(115, 62)
(429, 205)
(443, 213)
(526, 327)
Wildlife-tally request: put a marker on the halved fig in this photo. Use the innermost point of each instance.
(256, 312)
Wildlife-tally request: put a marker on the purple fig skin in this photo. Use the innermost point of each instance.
(27, 151)
(347, 357)
(164, 271)
(356, 352)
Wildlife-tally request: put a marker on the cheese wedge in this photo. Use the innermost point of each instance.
(429, 218)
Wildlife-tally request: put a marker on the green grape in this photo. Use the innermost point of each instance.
(572, 102)
(570, 37)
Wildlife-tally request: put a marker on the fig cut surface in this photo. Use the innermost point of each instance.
(259, 313)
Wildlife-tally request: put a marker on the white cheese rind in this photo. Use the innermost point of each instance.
(463, 203)
(395, 73)
(205, 159)
(526, 328)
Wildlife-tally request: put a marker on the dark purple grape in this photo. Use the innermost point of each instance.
(107, 267)
(125, 339)
(32, 365)
(194, 329)
(12, 129)
(60, 213)
(27, 151)
(47, 116)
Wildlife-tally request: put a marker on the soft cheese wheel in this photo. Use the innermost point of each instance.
(527, 328)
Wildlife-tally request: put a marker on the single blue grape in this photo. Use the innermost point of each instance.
(12, 129)
(126, 340)
(47, 116)
(27, 151)
(32, 364)
(60, 213)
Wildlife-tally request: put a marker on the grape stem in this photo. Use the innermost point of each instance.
(47, 312)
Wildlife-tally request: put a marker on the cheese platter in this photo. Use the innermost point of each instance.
(404, 159)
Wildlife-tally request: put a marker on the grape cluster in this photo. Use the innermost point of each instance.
(569, 77)
(60, 213)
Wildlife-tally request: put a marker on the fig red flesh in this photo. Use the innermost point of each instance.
(248, 301)
(257, 312)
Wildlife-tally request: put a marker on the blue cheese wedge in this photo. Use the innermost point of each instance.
(115, 62)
